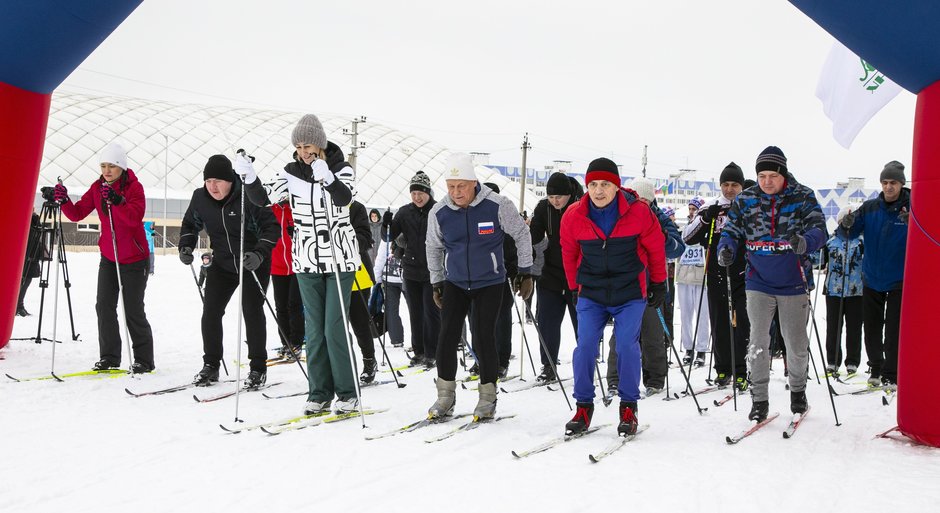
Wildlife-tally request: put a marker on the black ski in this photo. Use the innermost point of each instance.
(230, 393)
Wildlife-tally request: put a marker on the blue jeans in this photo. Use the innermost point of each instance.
(592, 317)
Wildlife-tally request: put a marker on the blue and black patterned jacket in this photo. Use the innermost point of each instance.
(837, 276)
(765, 223)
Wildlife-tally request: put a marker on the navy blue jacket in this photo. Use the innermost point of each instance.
(465, 245)
(885, 241)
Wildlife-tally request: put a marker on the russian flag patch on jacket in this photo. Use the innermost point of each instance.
(486, 228)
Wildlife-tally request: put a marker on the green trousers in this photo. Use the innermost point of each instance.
(328, 366)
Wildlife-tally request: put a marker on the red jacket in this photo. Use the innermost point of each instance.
(128, 218)
(282, 263)
(613, 270)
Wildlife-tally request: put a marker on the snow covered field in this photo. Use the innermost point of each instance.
(85, 445)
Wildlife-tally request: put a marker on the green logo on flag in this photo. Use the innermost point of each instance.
(872, 78)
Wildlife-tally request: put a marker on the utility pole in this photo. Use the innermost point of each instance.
(525, 148)
(644, 161)
(355, 145)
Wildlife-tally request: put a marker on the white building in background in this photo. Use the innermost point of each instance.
(169, 143)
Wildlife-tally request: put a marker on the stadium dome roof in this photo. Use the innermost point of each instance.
(170, 143)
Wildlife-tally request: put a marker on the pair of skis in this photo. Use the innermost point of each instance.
(277, 427)
(473, 423)
(795, 423)
(595, 457)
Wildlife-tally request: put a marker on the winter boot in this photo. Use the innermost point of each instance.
(582, 419)
(207, 376)
(687, 359)
(547, 376)
(255, 380)
(759, 411)
(628, 419)
(699, 359)
(486, 405)
(446, 397)
(798, 402)
(21, 311)
(369, 368)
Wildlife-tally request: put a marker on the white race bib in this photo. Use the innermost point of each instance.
(694, 255)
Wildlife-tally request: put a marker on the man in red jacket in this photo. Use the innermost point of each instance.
(611, 245)
(118, 193)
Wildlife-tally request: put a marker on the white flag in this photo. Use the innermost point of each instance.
(852, 91)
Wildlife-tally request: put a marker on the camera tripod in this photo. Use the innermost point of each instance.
(52, 239)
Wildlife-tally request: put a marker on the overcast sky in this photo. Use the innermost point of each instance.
(701, 83)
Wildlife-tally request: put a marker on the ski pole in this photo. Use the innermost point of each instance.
(525, 341)
(327, 205)
(538, 331)
(734, 388)
(241, 290)
(659, 312)
(701, 294)
(117, 267)
(293, 352)
(381, 342)
(195, 279)
(818, 341)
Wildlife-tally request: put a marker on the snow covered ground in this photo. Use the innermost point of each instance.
(85, 445)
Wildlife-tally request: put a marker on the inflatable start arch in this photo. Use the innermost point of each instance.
(43, 41)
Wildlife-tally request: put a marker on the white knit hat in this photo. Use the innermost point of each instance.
(644, 187)
(459, 166)
(113, 153)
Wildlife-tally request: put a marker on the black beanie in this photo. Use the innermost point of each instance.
(893, 170)
(772, 159)
(731, 173)
(749, 183)
(219, 167)
(603, 169)
(558, 185)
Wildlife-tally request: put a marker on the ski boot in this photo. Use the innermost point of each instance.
(628, 419)
(687, 359)
(741, 384)
(255, 380)
(316, 407)
(369, 368)
(850, 370)
(651, 391)
(502, 372)
(141, 368)
(486, 405)
(699, 360)
(207, 376)
(547, 376)
(759, 411)
(798, 402)
(474, 369)
(582, 419)
(104, 364)
(350, 405)
(832, 371)
(416, 361)
(889, 385)
(446, 398)
(722, 380)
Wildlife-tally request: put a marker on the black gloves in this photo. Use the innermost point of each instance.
(522, 285)
(252, 261)
(438, 289)
(798, 243)
(848, 220)
(725, 256)
(186, 255)
(387, 219)
(656, 295)
(711, 213)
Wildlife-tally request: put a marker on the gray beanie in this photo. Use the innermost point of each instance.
(893, 170)
(309, 130)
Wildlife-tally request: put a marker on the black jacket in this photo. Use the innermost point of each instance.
(413, 223)
(35, 248)
(360, 222)
(546, 222)
(222, 222)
